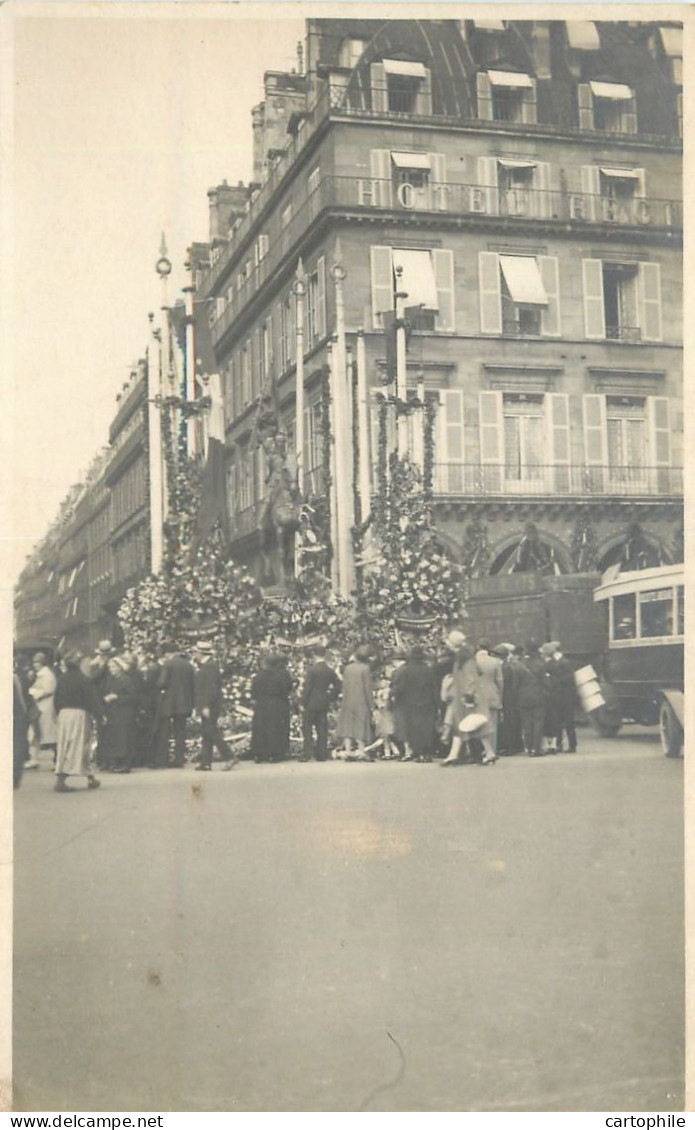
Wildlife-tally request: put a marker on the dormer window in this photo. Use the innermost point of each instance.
(582, 35)
(672, 43)
(401, 87)
(506, 96)
(607, 106)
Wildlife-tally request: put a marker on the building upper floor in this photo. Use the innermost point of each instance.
(453, 159)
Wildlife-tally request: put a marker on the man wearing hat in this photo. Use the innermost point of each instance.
(208, 704)
(98, 668)
(562, 697)
(176, 686)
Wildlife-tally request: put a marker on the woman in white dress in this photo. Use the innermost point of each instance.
(77, 702)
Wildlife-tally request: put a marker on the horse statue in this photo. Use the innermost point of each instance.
(280, 517)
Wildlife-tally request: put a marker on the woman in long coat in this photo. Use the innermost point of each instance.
(467, 698)
(76, 702)
(120, 703)
(416, 697)
(271, 689)
(355, 717)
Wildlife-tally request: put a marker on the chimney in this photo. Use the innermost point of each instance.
(257, 125)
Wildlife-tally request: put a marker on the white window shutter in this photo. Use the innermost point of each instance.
(629, 117)
(439, 182)
(382, 283)
(490, 293)
(450, 454)
(550, 314)
(380, 97)
(529, 111)
(640, 184)
(380, 168)
(541, 183)
(658, 418)
(595, 441)
(650, 300)
(558, 423)
(484, 95)
(423, 99)
(594, 316)
(443, 265)
(487, 178)
(321, 298)
(585, 101)
(491, 431)
(591, 191)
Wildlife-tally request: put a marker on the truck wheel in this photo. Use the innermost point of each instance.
(671, 731)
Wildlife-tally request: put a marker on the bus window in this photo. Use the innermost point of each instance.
(656, 613)
(680, 610)
(624, 617)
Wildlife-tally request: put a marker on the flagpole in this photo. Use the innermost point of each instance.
(401, 366)
(154, 431)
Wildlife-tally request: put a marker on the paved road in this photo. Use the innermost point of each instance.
(337, 937)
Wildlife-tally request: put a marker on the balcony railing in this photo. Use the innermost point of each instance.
(461, 200)
(334, 101)
(542, 480)
(472, 480)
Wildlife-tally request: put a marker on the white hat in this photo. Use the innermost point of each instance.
(455, 640)
(473, 722)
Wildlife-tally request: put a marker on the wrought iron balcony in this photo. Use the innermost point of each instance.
(474, 201)
(556, 480)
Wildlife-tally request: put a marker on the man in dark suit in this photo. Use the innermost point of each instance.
(176, 686)
(208, 704)
(321, 688)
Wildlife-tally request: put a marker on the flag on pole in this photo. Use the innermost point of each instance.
(213, 505)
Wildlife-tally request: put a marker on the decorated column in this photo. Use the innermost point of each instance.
(331, 430)
(299, 290)
(343, 434)
(401, 367)
(154, 432)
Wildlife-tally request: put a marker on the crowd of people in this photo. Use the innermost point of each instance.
(114, 713)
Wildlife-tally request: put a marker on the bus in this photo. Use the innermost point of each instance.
(642, 668)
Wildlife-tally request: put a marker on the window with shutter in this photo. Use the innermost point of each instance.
(595, 442)
(383, 300)
(484, 96)
(490, 292)
(558, 421)
(594, 316)
(626, 443)
(491, 431)
(450, 455)
(650, 296)
(659, 428)
(524, 458)
(550, 314)
(443, 262)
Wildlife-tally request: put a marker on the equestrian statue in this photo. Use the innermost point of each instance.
(279, 518)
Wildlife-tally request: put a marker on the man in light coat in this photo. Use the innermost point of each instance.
(490, 684)
(43, 691)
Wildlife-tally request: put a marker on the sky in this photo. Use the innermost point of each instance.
(120, 127)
